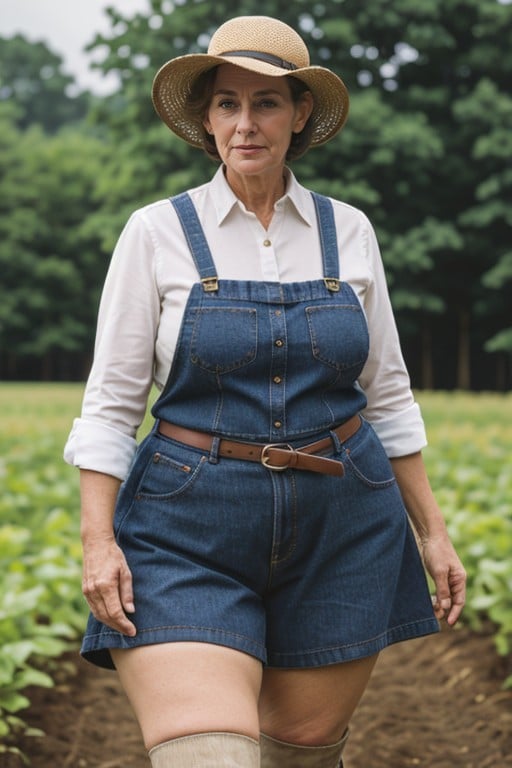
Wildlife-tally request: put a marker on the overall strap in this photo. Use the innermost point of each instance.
(196, 240)
(328, 241)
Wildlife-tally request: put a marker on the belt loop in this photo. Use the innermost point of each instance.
(213, 458)
(336, 441)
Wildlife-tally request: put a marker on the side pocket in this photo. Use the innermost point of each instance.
(166, 478)
(365, 457)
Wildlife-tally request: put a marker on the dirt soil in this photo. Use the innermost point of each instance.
(436, 701)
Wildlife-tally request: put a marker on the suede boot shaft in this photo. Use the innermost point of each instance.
(281, 754)
(207, 750)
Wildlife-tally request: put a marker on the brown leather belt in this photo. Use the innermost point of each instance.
(275, 456)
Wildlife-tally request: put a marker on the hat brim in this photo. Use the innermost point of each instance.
(174, 80)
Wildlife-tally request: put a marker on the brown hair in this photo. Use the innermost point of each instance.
(198, 103)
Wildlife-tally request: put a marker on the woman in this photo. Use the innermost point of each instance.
(257, 556)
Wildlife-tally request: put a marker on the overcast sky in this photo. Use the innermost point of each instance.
(66, 26)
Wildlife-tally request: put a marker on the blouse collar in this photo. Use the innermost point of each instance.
(224, 199)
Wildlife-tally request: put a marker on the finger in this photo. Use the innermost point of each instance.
(115, 616)
(458, 589)
(106, 606)
(438, 611)
(443, 595)
(126, 590)
(454, 613)
(114, 611)
(450, 595)
(441, 607)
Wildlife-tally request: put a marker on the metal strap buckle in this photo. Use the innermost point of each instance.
(264, 455)
(332, 284)
(210, 283)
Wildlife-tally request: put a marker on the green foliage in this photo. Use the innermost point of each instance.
(500, 342)
(425, 153)
(41, 607)
(468, 460)
(51, 262)
(31, 77)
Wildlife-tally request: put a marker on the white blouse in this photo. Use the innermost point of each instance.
(147, 286)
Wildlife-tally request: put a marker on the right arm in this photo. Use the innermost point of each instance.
(107, 580)
(103, 441)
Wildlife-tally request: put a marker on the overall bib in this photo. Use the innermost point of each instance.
(295, 567)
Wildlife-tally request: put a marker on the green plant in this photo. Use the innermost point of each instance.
(41, 608)
(468, 460)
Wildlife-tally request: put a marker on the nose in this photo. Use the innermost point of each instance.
(245, 123)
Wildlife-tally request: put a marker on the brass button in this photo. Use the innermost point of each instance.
(267, 243)
(278, 424)
(279, 343)
(277, 379)
(277, 313)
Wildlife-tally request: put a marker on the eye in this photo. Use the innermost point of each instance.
(267, 104)
(226, 104)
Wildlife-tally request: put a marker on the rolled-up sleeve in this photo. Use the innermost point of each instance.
(91, 445)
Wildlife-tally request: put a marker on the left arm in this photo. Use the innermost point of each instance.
(439, 555)
(396, 417)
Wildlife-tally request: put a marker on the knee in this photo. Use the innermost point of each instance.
(310, 732)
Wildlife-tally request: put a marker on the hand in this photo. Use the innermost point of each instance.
(107, 585)
(449, 577)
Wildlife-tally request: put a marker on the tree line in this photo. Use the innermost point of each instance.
(426, 153)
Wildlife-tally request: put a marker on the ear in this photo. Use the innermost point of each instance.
(207, 126)
(303, 110)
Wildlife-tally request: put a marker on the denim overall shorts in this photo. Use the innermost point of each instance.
(295, 567)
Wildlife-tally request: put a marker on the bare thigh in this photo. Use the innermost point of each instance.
(312, 706)
(180, 688)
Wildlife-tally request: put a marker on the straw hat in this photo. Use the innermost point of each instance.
(260, 44)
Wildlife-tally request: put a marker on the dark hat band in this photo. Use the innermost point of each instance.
(268, 58)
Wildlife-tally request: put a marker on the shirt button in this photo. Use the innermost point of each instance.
(279, 343)
(267, 243)
(278, 424)
(277, 379)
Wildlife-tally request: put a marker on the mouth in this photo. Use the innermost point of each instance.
(248, 148)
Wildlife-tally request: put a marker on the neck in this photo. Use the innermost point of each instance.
(258, 194)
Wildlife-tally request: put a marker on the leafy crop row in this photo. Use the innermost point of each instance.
(470, 465)
(41, 608)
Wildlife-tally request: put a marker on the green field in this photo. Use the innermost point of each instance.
(469, 459)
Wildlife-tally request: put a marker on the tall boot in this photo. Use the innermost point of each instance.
(207, 750)
(280, 754)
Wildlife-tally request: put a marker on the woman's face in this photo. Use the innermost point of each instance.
(252, 118)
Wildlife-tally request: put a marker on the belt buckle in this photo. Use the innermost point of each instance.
(264, 457)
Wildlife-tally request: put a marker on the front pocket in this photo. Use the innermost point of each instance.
(365, 457)
(339, 335)
(166, 478)
(224, 339)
